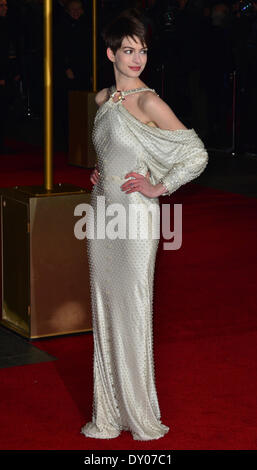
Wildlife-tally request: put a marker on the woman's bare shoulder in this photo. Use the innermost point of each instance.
(150, 98)
(159, 111)
(102, 96)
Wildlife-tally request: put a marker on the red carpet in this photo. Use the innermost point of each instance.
(205, 336)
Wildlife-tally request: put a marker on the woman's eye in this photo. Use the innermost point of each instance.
(129, 51)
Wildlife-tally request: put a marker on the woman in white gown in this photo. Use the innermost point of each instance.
(143, 152)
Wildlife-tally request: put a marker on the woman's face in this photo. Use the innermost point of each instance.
(130, 59)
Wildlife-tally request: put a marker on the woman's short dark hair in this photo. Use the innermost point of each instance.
(127, 23)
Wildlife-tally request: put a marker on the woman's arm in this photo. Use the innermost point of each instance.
(102, 96)
(194, 157)
(158, 111)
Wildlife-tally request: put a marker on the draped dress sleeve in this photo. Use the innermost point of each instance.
(174, 157)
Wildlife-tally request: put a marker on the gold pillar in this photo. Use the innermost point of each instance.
(48, 96)
(45, 279)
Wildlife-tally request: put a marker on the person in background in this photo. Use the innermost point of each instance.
(218, 64)
(72, 58)
(8, 74)
(4, 42)
(32, 47)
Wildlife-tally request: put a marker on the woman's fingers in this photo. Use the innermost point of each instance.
(139, 183)
(94, 176)
(129, 184)
(134, 183)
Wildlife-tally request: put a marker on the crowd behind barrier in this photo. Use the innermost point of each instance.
(202, 60)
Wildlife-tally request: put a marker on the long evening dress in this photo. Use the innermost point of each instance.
(122, 268)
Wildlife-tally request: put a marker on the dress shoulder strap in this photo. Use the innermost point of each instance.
(136, 90)
(113, 90)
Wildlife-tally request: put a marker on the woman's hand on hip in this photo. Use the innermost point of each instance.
(94, 177)
(140, 183)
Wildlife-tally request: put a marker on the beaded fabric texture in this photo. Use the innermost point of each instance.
(122, 269)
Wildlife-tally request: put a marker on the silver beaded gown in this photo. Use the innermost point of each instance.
(122, 268)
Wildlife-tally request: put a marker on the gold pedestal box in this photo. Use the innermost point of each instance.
(45, 277)
(82, 110)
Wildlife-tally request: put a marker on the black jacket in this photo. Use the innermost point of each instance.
(73, 47)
